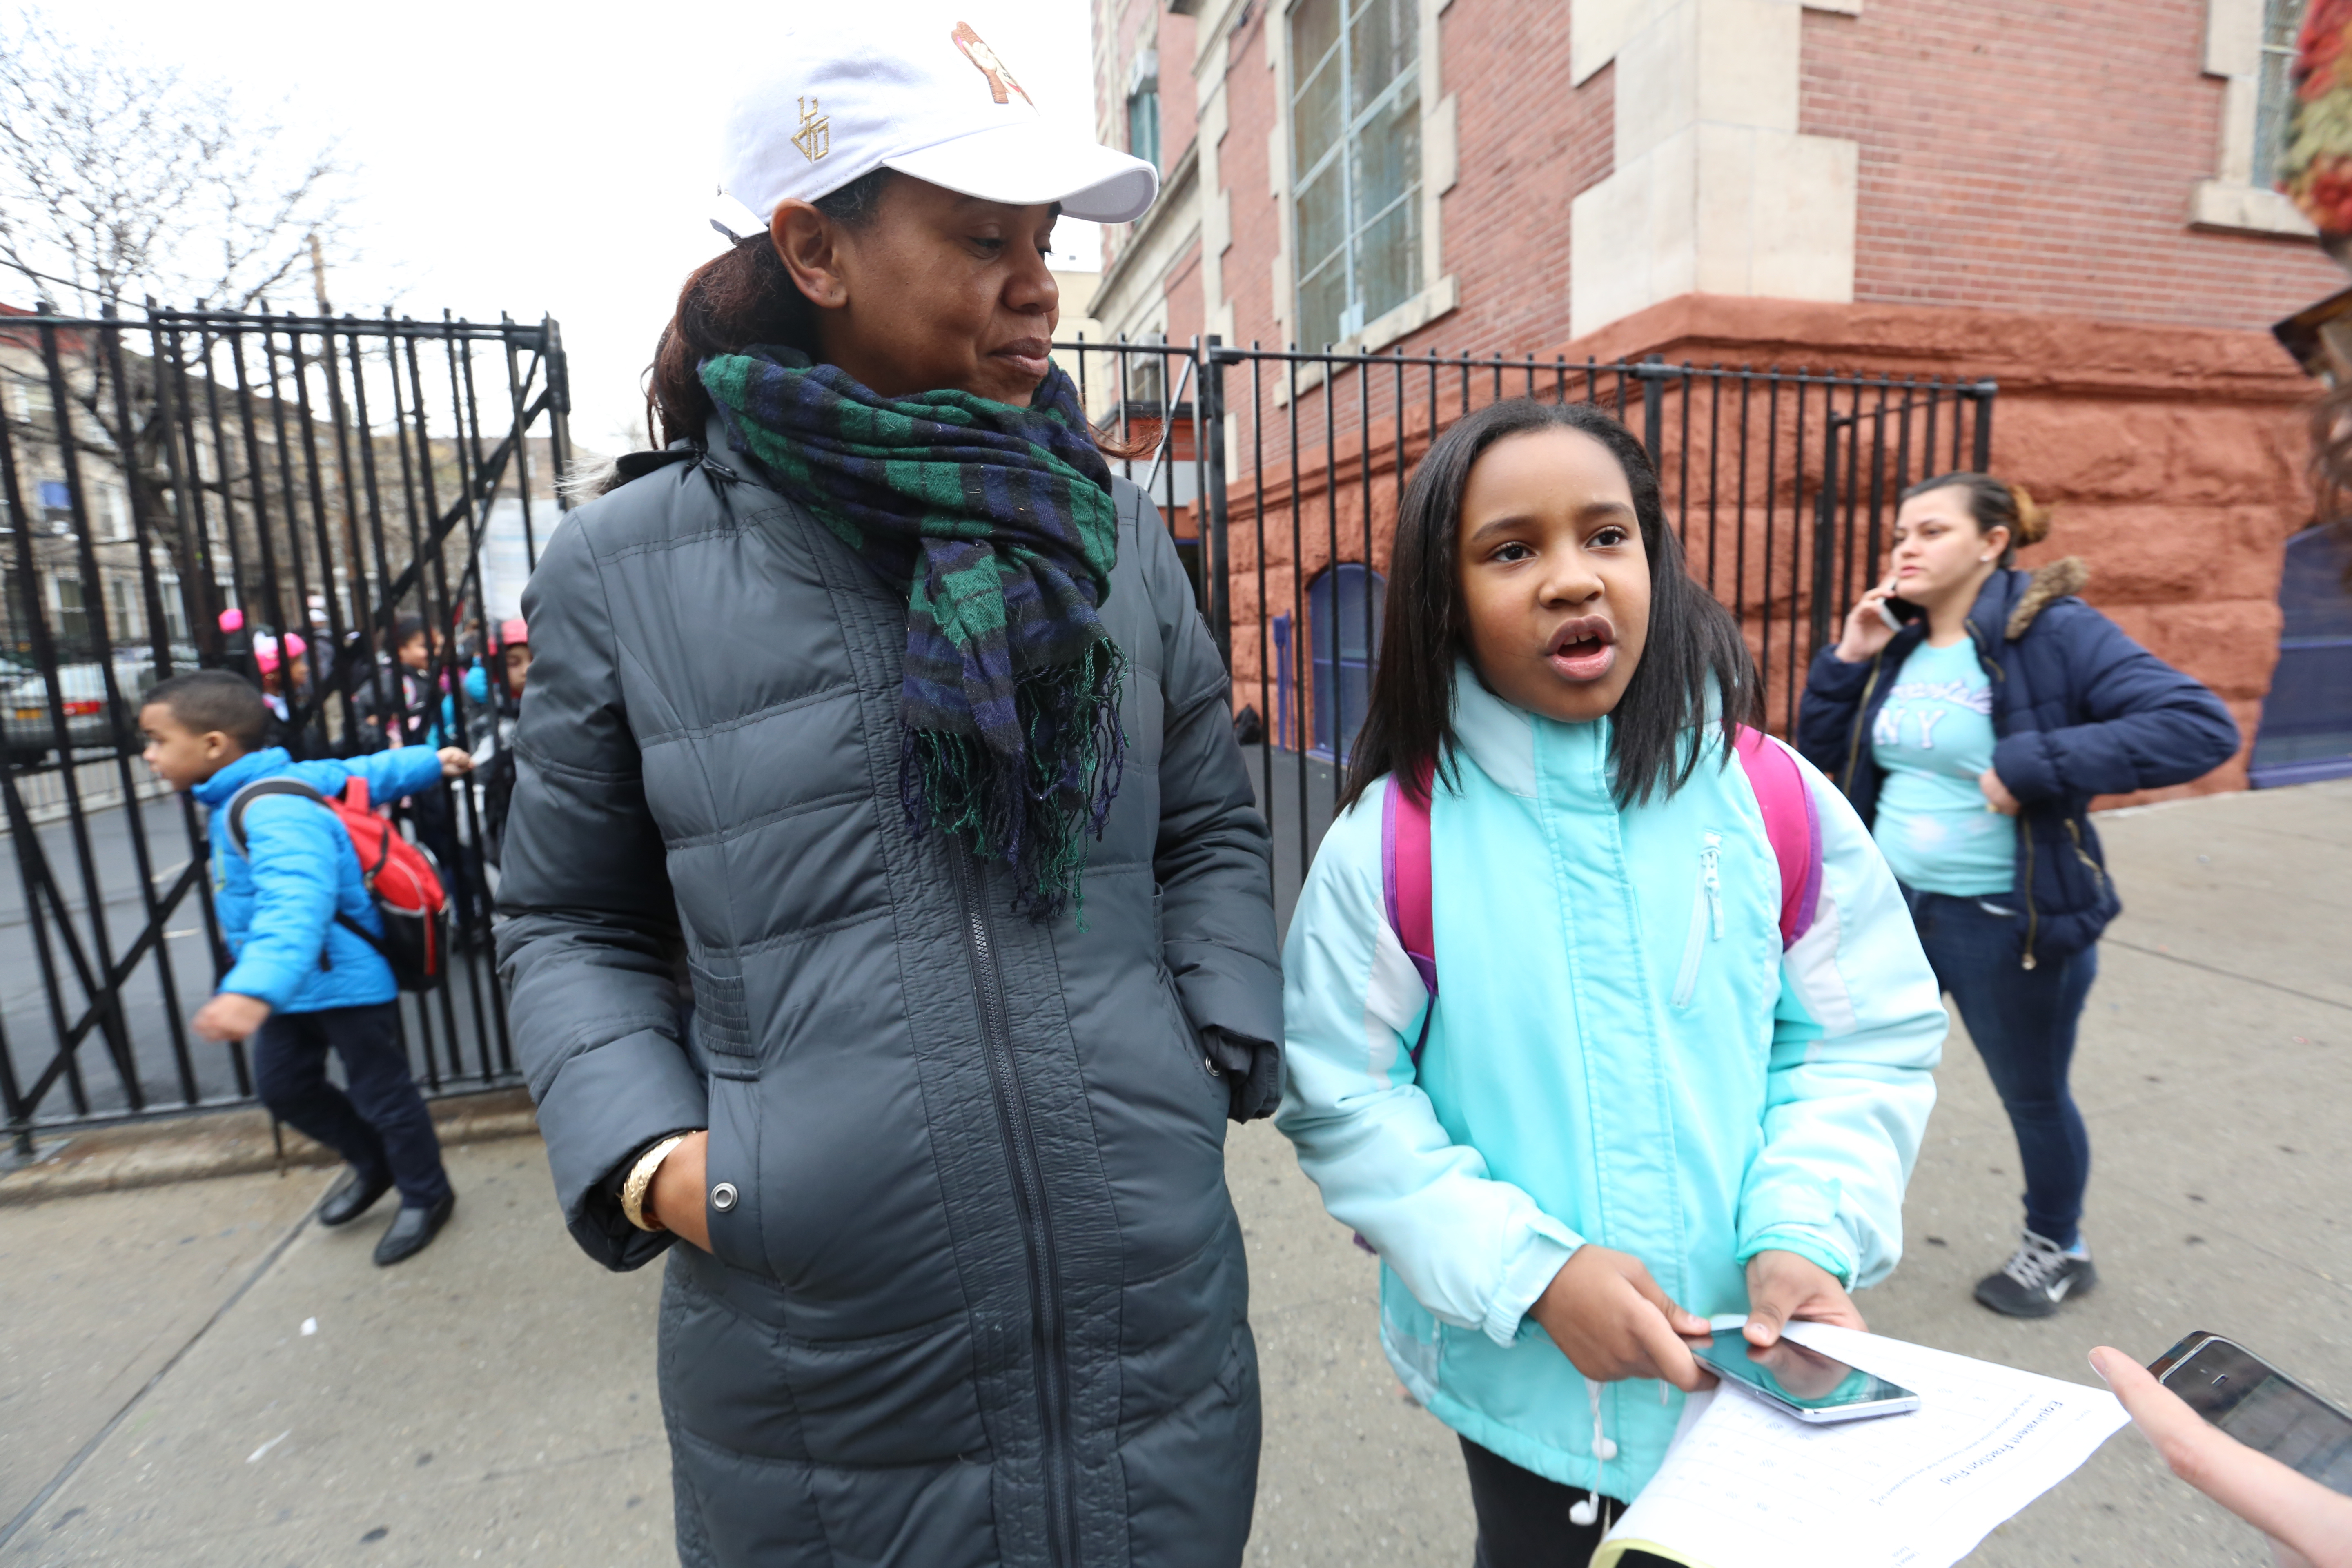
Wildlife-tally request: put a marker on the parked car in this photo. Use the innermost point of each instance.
(31, 733)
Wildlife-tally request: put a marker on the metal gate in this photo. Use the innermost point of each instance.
(273, 494)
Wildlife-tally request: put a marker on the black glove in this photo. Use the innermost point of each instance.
(1252, 1070)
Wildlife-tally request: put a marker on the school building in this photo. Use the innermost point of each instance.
(2069, 200)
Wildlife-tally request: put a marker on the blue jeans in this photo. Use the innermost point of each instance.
(381, 1126)
(2022, 1021)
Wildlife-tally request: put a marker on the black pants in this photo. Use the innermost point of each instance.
(381, 1126)
(1523, 1517)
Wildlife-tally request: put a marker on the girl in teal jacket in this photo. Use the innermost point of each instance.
(1632, 1109)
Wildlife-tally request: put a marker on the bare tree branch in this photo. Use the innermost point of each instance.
(126, 179)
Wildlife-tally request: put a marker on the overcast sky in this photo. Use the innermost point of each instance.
(535, 158)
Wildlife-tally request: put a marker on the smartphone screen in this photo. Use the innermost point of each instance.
(1805, 1380)
(2240, 1393)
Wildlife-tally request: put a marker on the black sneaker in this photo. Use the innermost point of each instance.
(2037, 1275)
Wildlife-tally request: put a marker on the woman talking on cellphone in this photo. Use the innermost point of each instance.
(1970, 711)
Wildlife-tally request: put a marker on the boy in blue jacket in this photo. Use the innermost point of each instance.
(302, 983)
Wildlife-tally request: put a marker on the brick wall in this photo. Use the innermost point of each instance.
(2040, 155)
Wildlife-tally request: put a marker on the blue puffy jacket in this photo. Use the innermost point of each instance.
(2078, 710)
(278, 901)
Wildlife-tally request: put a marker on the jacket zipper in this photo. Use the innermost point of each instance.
(1861, 720)
(2098, 873)
(1037, 1225)
(2024, 828)
(2033, 915)
(1706, 911)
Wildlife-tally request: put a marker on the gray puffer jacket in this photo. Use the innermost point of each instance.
(978, 1295)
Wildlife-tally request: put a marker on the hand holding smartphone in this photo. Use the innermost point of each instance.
(2260, 1406)
(1801, 1382)
(1873, 622)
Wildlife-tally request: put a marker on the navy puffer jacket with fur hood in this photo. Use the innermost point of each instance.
(2078, 710)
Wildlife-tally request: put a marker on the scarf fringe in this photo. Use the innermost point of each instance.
(1033, 811)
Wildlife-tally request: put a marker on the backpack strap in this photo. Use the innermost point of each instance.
(1405, 884)
(254, 790)
(1793, 821)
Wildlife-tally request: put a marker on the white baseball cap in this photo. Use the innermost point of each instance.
(907, 85)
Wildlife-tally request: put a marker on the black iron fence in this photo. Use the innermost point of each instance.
(279, 495)
(194, 489)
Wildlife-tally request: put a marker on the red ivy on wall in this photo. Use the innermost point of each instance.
(2315, 169)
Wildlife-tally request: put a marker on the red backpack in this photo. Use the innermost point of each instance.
(400, 877)
(1791, 821)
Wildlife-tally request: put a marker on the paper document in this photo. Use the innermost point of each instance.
(1746, 1486)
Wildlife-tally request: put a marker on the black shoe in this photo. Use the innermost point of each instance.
(352, 1196)
(412, 1230)
(2038, 1276)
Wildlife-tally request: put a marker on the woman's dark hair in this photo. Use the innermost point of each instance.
(1693, 652)
(1994, 504)
(740, 296)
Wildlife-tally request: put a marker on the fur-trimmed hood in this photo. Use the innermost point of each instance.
(2050, 584)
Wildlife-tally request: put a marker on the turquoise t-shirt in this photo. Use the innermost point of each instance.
(1933, 738)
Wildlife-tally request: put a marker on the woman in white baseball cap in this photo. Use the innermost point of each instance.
(889, 916)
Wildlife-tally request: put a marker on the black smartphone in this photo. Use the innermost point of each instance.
(2260, 1406)
(1898, 613)
(1802, 1381)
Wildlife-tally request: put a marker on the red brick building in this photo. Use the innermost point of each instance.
(2062, 197)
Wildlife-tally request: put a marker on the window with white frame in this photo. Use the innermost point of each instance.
(1355, 118)
(1143, 108)
(2275, 97)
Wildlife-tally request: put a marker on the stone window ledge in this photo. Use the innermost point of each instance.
(2246, 209)
(1440, 298)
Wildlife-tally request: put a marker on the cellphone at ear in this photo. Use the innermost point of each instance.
(1898, 613)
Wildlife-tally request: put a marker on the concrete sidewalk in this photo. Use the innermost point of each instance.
(494, 1401)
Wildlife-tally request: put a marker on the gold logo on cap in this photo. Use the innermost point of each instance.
(1001, 85)
(814, 138)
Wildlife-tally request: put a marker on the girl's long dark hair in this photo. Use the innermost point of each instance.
(1693, 652)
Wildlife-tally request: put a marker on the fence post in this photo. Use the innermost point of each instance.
(559, 414)
(1211, 400)
(1652, 372)
(1982, 458)
(1825, 518)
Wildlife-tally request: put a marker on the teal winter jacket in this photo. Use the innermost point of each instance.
(278, 901)
(1620, 1053)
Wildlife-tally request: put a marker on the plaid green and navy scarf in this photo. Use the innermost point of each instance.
(998, 522)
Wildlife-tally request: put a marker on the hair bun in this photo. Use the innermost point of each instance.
(2032, 521)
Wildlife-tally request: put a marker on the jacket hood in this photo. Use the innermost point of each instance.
(2049, 584)
(2010, 601)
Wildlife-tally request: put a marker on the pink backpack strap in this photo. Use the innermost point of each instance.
(1793, 821)
(1405, 884)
